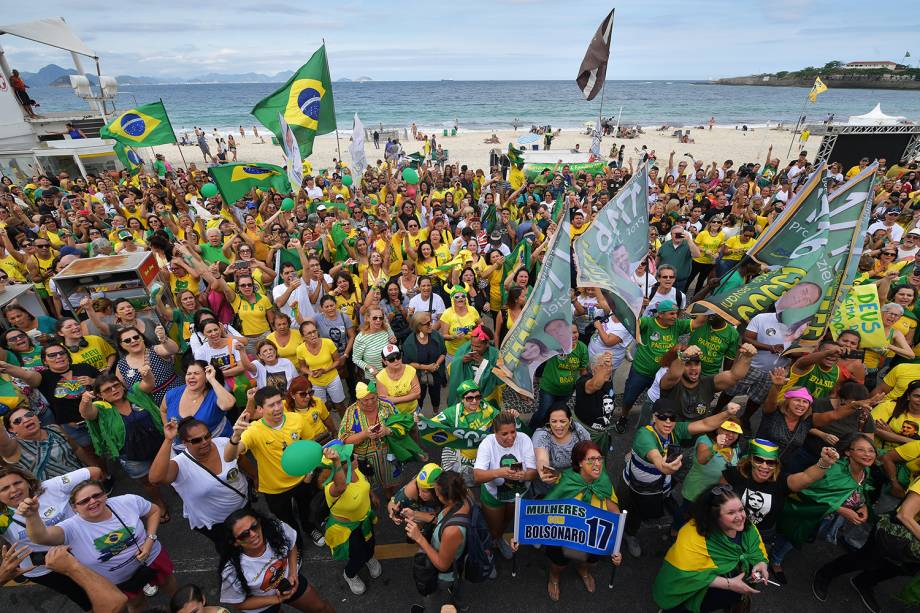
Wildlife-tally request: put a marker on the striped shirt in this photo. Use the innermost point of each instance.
(367, 350)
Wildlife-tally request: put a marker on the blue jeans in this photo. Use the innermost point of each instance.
(636, 384)
(544, 401)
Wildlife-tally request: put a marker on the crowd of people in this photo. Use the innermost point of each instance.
(371, 312)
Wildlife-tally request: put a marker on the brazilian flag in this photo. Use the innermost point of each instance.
(305, 101)
(128, 158)
(515, 156)
(236, 180)
(143, 126)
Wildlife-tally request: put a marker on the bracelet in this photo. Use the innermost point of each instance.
(234, 443)
(822, 467)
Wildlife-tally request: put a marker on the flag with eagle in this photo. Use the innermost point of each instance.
(305, 102)
(234, 181)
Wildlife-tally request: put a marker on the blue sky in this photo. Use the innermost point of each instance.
(473, 39)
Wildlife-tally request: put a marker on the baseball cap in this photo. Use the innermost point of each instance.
(390, 350)
(914, 232)
(321, 207)
(124, 234)
(732, 426)
(666, 306)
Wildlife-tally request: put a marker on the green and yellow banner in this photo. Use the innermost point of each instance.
(236, 180)
(861, 311)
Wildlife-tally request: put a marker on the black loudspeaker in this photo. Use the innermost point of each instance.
(850, 148)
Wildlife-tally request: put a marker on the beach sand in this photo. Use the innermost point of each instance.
(718, 144)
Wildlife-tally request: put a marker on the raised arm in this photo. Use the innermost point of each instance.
(739, 369)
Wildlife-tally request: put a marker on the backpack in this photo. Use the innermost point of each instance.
(678, 295)
(477, 563)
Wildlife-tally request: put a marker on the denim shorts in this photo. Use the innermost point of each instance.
(135, 469)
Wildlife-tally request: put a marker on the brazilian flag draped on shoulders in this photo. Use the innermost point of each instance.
(694, 560)
(305, 101)
(143, 126)
(128, 158)
(236, 180)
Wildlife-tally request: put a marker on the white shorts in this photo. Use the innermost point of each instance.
(333, 392)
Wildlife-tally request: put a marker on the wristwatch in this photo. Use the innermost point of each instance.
(152, 537)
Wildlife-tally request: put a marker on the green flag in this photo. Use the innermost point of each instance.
(338, 236)
(236, 180)
(544, 328)
(515, 156)
(128, 158)
(143, 126)
(305, 101)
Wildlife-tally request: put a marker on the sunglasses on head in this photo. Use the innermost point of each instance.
(666, 417)
(722, 490)
(245, 534)
(199, 439)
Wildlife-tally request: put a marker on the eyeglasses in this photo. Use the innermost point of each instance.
(473, 397)
(199, 439)
(865, 450)
(110, 389)
(666, 417)
(15, 338)
(25, 416)
(245, 534)
(130, 339)
(55, 355)
(764, 461)
(90, 498)
(594, 460)
(303, 393)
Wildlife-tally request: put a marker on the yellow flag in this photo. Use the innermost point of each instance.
(818, 88)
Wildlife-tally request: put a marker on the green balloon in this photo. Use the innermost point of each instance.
(410, 176)
(346, 180)
(287, 204)
(301, 458)
(208, 190)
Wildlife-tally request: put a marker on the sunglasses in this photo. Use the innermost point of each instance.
(666, 417)
(722, 490)
(473, 397)
(244, 284)
(199, 439)
(304, 393)
(90, 498)
(25, 416)
(245, 534)
(763, 461)
(376, 318)
(55, 355)
(130, 339)
(42, 246)
(110, 389)
(393, 357)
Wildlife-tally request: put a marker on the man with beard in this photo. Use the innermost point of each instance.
(689, 394)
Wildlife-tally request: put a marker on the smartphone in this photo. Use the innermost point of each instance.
(376, 427)
(855, 354)
(550, 469)
(38, 558)
(673, 453)
(284, 585)
(517, 467)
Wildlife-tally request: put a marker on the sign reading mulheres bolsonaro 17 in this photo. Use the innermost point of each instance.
(568, 523)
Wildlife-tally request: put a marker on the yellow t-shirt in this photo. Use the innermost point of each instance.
(180, 284)
(267, 444)
(898, 378)
(323, 359)
(911, 454)
(709, 246)
(452, 323)
(252, 316)
(13, 268)
(348, 305)
(313, 419)
(289, 351)
(399, 387)
(906, 326)
(355, 502)
(735, 248)
(96, 353)
(884, 411)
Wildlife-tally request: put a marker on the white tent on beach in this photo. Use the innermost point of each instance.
(875, 117)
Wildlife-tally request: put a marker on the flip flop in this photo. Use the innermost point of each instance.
(553, 589)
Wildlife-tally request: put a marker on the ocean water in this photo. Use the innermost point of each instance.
(485, 105)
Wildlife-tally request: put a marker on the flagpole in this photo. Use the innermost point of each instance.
(797, 123)
(173, 130)
(338, 145)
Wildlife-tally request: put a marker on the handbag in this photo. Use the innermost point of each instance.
(425, 377)
(142, 576)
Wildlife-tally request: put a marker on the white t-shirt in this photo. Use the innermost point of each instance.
(420, 305)
(491, 455)
(279, 375)
(220, 358)
(196, 341)
(206, 502)
(314, 193)
(53, 508)
(261, 574)
(654, 392)
(770, 331)
(299, 299)
(907, 253)
(596, 345)
(109, 547)
(896, 230)
(656, 298)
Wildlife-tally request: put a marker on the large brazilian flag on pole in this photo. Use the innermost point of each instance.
(143, 126)
(236, 180)
(305, 101)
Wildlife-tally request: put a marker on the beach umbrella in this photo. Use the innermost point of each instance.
(528, 139)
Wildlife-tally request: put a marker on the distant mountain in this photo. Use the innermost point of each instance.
(56, 76)
(124, 79)
(358, 80)
(343, 80)
(48, 74)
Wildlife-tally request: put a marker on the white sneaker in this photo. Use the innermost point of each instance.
(354, 584)
(374, 568)
(633, 546)
(505, 548)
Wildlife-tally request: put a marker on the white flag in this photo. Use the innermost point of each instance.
(291, 155)
(358, 159)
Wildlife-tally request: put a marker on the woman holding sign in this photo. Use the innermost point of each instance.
(587, 481)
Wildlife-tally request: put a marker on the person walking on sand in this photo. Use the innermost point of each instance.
(376, 139)
(255, 133)
(712, 122)
(242, 133)
(205, 148)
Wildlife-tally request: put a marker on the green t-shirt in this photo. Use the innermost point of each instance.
(562, 371)
(656, 341)
(647, 439)
(160, 168)
(211, 254)
(716, 345)
(816, 380)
